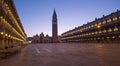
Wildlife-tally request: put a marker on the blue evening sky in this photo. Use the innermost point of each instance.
(36, 15)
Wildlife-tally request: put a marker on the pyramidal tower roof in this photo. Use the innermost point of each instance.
(54, 13)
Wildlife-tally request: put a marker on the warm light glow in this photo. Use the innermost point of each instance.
(109, 20)
(1, 33)
(98, 26)
(93, 33)
(113, 36)
(104, 31)
(14, 19)
(10, 26)
(95, 24)
(6, 34)
(115, 18)
(98, 38)
(103, 22)
(110, 30)
(92, 25)
(119, 36)
(94, 38)
(108, 37)
(115, 29)
(102, 37)
(100, 31)
(29, 41)
(96, 32)
(99, 23)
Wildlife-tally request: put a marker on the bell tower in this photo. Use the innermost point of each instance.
(54, 28)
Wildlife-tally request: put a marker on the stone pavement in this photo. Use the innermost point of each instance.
(9, 51)
(65, 54)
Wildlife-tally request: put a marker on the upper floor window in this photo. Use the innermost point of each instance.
(93, 33)
(109, 30)
(96, 32)
(99, 23)
(113, 37)
(108, 37)
(115, 29)
(104, 31)
(109, 20)
(86, 27)
(102, 37)
(98, 38)
(103, 22)
(95, 24)
(100, 31)
(89, 33)
(115, 18)
(89, 26)
(92, 26)
(94, 38)
(86, 34)
(118, 36)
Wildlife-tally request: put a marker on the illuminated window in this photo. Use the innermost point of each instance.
(118, 36)
(88, 26)
(119, 17)
(98, 38)
(115, 18)
(91, 38)
(0, 18)
(92, 33)
(98, 26)
(1, 33)
(109, 20)
(109, 30)
(103, 22)
(107, 37)
(95, 24)
(115, 29)
(102, 37)
(104, 31)
(6, 34)
(92, 26)
(113, 37)
(94, 38)
(99, 23)
(89, 33)
(96, 32)
(100, 31)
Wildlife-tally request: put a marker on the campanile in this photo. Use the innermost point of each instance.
(54, 28)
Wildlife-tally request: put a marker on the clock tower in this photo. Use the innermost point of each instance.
(54, 28)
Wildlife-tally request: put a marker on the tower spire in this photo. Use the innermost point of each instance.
(54, 13)
(54, 28)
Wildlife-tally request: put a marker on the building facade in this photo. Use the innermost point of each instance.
(101, 30)
(11, 30)
(54, 28)
(41, 38)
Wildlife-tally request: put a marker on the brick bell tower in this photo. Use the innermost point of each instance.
(54, 28)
